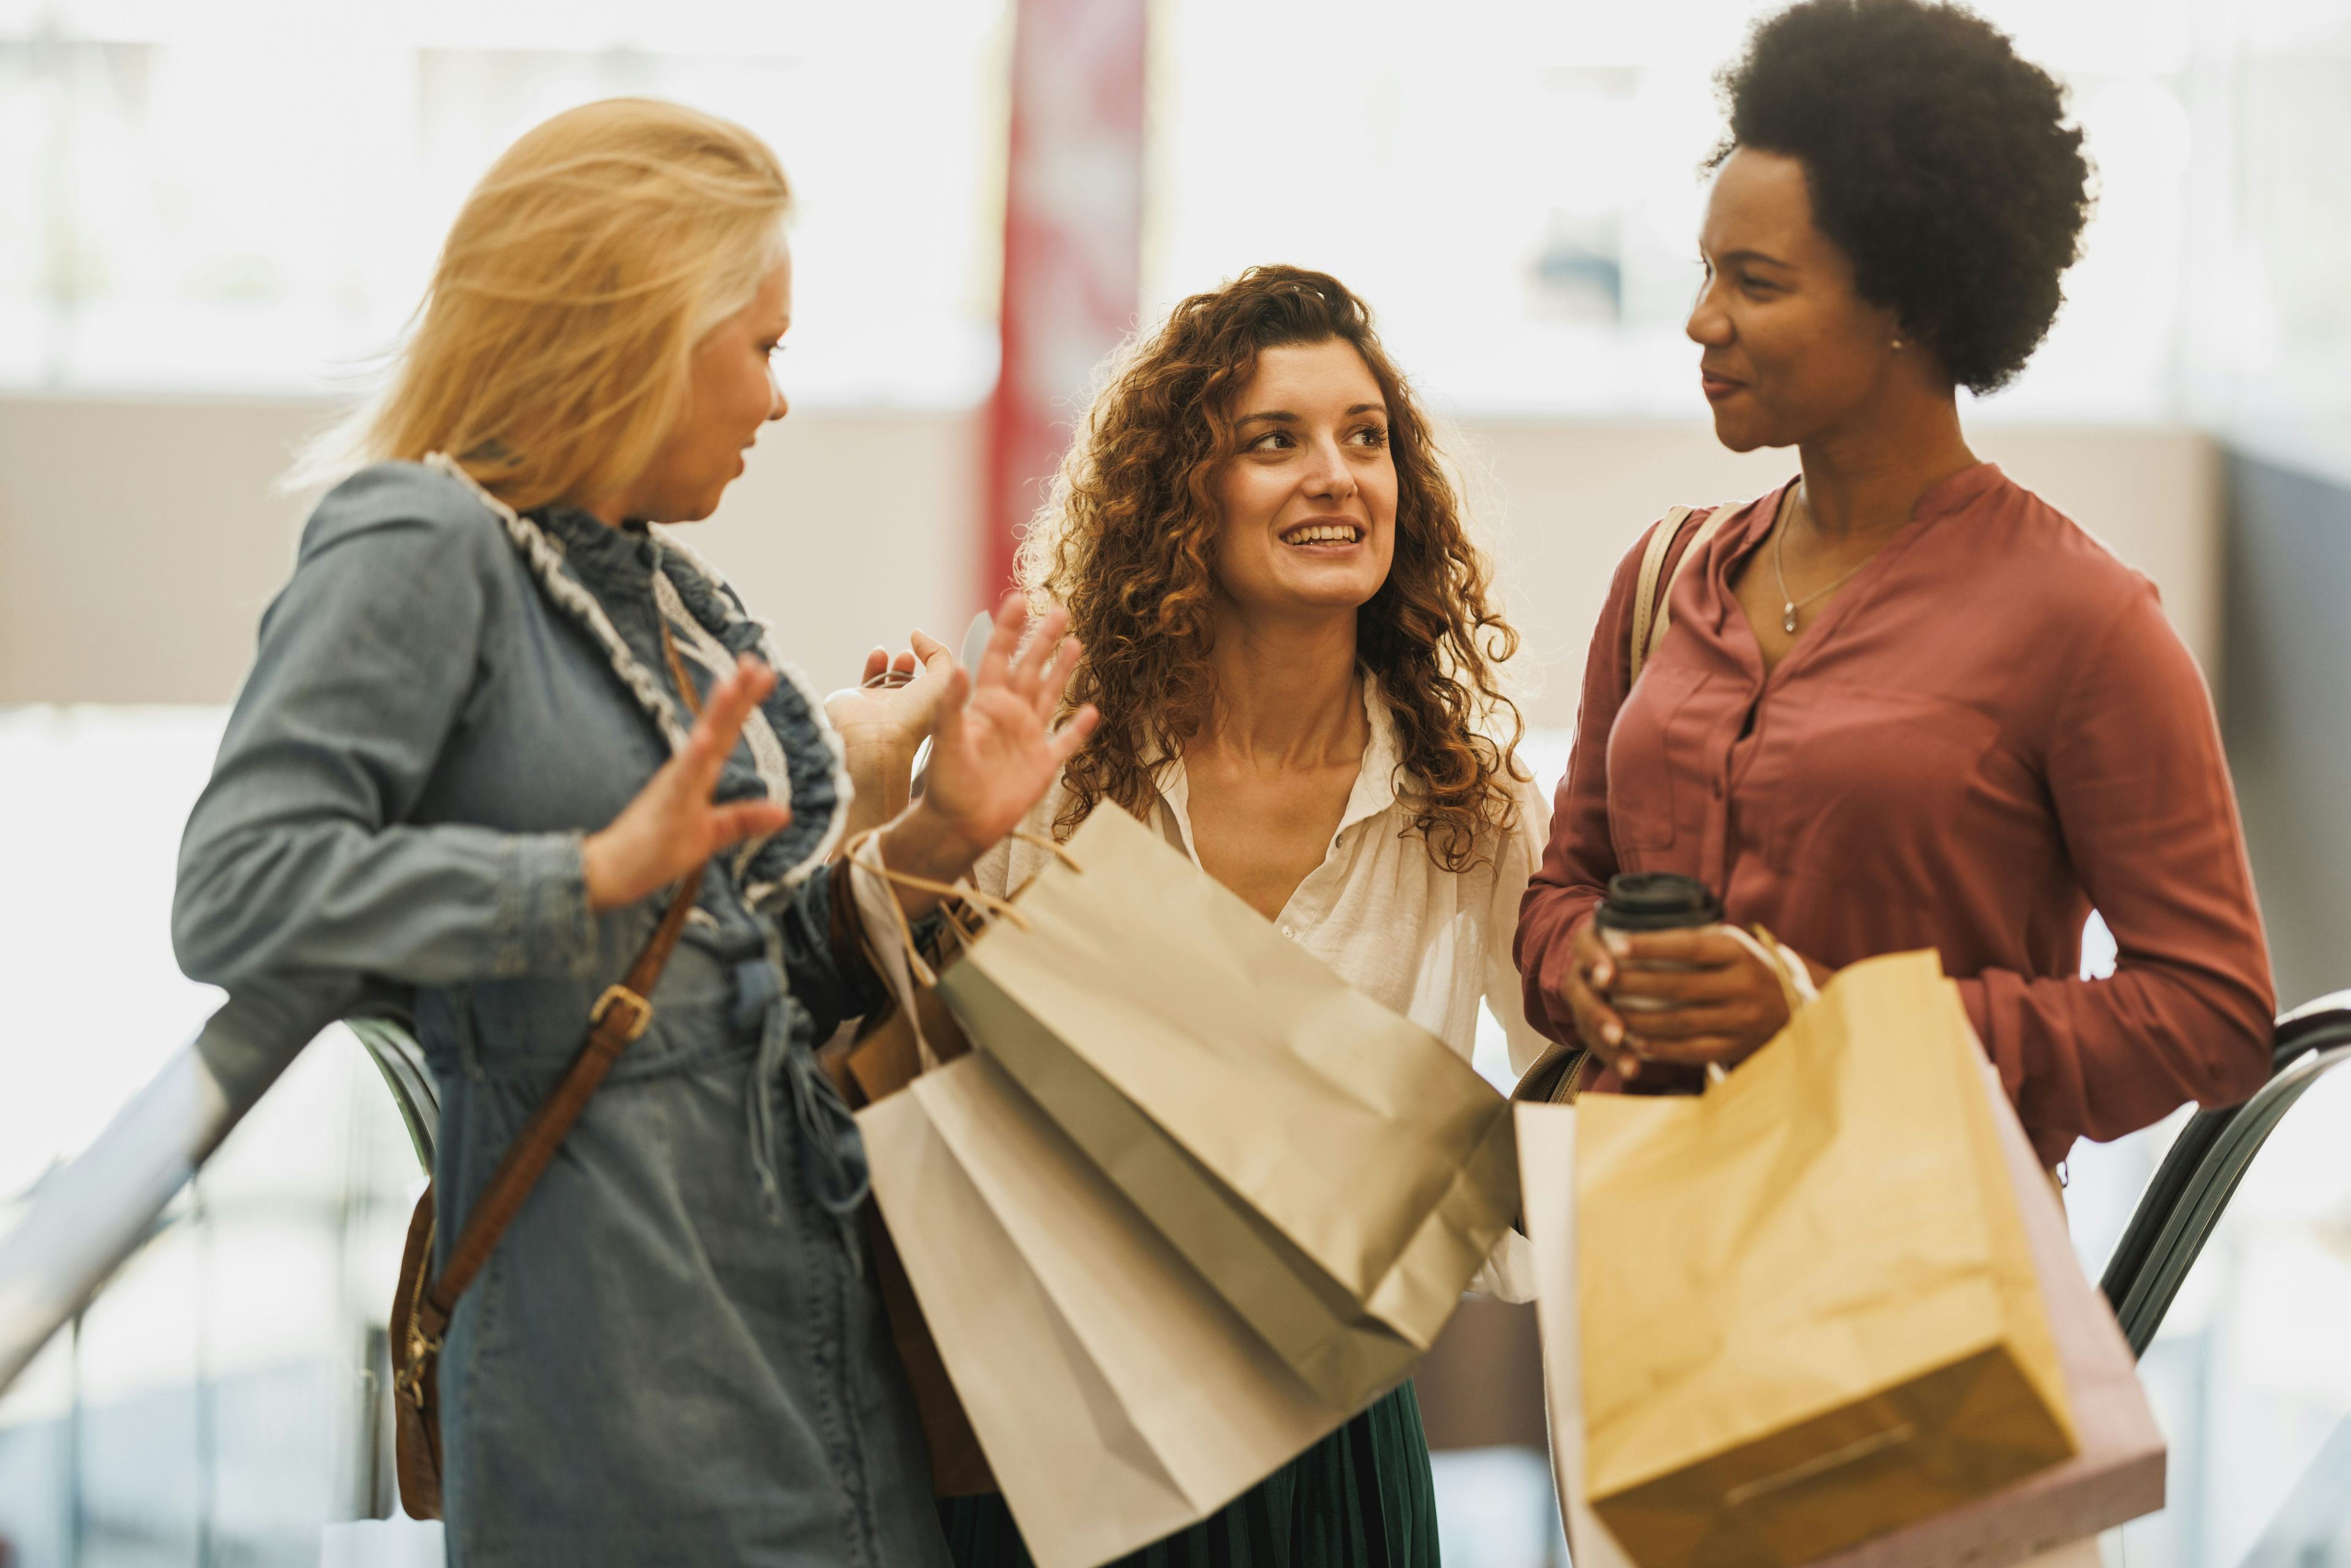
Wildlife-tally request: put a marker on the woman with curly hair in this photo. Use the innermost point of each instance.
(1902, 702)
(1291, 643)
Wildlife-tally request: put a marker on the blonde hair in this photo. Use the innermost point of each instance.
(551, 354)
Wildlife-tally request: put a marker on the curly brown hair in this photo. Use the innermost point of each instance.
(1128, 540)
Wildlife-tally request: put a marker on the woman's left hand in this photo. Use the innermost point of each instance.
(1721, 1002)
(994, 749)
(882, 722)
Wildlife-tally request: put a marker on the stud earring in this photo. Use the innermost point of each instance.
(1898, 344)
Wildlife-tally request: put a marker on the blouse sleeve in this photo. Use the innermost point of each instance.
(1514, 866)
(297, 874)
(1579, 856)
(825, 949)
(2141, 790)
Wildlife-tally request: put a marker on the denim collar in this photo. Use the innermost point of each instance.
(599, 575)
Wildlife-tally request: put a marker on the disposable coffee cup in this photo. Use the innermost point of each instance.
(1657, 901)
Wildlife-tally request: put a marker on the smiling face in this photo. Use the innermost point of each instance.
(1307, 502)
(731, 391)
(1790, 352)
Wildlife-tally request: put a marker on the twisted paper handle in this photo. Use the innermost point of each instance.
(1795, 981)
(901, 962)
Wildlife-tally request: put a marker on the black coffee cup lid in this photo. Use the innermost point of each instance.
(1657, 900)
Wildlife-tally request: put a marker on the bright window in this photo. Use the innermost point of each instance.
(249, 196)
(1516, 187)
(244, 196)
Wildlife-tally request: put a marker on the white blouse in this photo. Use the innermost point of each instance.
(1423, 941)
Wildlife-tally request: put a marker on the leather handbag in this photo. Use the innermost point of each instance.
(421, 1305)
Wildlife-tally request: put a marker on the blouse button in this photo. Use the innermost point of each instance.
(1289, 931)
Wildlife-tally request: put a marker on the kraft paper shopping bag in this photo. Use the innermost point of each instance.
(1334, 1170)
(2117, 1473)
(1118, 1397)
(1818, 1308)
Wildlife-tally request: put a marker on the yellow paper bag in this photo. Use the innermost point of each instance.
(1808, 1308)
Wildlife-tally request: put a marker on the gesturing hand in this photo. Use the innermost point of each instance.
(672, 825)
(994, 749)
(882, 725)
(887, 715)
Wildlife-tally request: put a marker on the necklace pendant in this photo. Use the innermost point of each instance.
(1788, 618)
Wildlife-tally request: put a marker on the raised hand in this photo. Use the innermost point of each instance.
(994, 749)
(882, 722)
(672, 825)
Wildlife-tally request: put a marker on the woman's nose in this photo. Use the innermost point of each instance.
(779, 404)
(1329, 474)
(1709, 324)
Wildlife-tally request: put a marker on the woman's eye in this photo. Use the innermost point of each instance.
(1370, 435)
(1271, 441)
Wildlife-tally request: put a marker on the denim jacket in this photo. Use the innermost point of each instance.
(674, 1354)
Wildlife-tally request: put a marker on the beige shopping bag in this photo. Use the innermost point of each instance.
(1118, 1398)
(1334, 1170)
(2116, 1474)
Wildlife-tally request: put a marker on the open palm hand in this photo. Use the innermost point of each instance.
(994, 747)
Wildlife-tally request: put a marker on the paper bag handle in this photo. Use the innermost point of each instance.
(1051, 846)
(1795, 981)
(901, 963)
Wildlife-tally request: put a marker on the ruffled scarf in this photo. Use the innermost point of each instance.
(797, 756)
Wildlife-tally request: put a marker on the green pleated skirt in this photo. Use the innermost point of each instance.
(1361, 1498)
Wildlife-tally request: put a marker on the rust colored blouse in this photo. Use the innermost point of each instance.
(1992, 730)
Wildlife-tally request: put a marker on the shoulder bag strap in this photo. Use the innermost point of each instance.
(619, 1016)
(1651, 612)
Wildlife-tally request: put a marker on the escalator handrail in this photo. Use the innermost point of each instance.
(2311, 1027)
(2182, 1213)
(401, 1061)
(2193, 1223)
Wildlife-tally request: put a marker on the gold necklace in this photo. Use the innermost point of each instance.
(1790, 603)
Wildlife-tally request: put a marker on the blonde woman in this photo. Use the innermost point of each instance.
(1295, 655)
(468, 767)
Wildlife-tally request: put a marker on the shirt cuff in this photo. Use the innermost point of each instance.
(545, 926)
(1508, 1273)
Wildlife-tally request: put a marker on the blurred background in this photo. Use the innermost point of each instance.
(215, 216)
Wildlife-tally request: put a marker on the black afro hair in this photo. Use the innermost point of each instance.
(1938, 161)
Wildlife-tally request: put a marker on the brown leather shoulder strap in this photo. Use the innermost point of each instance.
(619, 1016)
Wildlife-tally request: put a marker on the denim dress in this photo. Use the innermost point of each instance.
(675, 1355)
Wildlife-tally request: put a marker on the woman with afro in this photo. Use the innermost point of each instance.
(1900, 702)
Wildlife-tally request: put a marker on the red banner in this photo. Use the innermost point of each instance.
(1073, 243)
